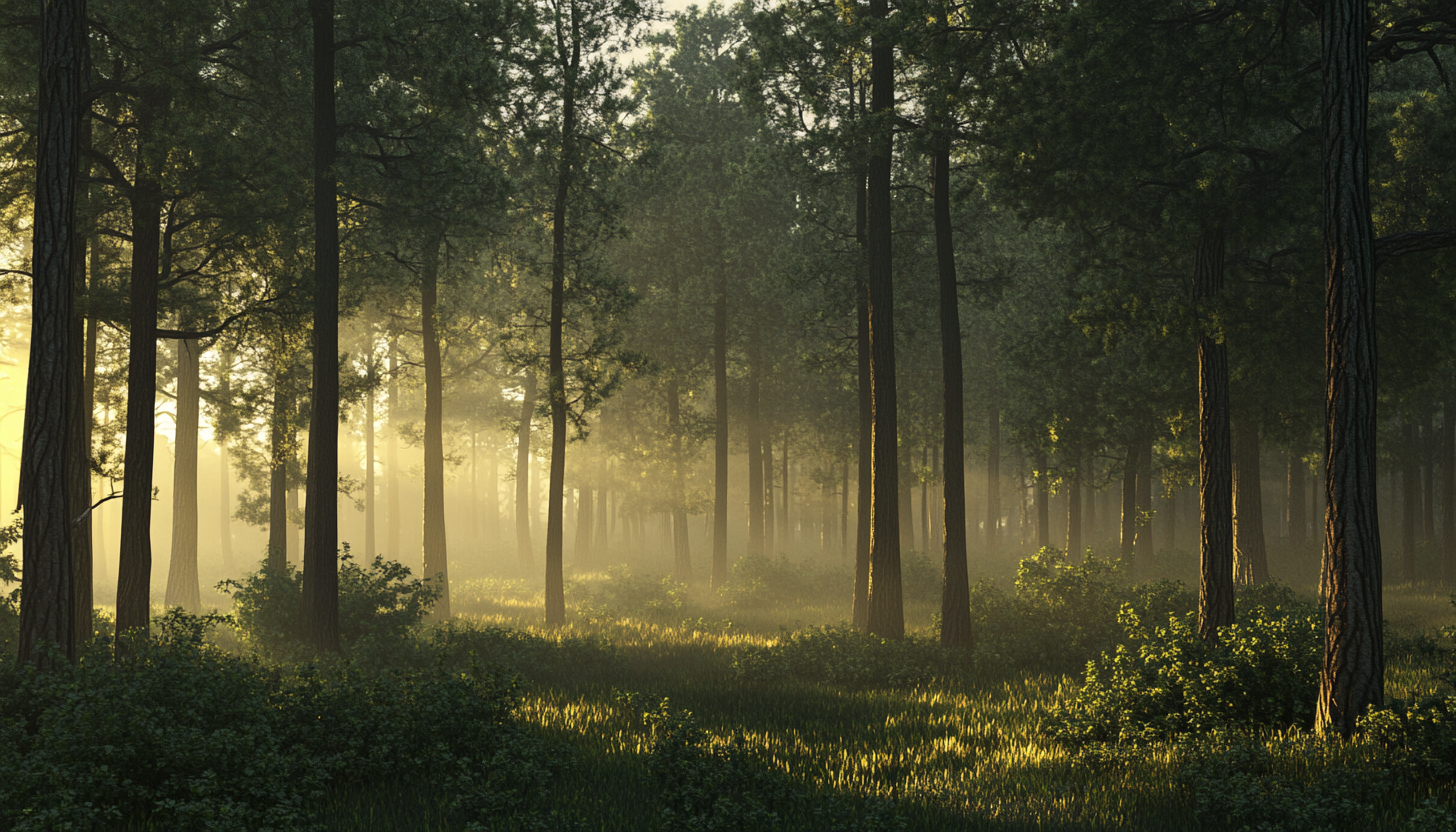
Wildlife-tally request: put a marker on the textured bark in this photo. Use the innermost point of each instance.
(555, 359)
(1042, 497)
(523, 475)
(864, 446)
(718, 571)
(1351, 677)
(955, 590)
(52, 394)
(1129, 503)
(436, 552)
(182, 583)
(1215, 464)
(134, 571)
(321, 518)
(280, 451)
(1251, 561)
(1295, 502)
(886, 604)
(82, 376)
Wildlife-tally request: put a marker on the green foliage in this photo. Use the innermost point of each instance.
(757, 581)
(1235, 785)
(379, 606)
(1166, 680)
(848, 657)
(9, 574)
(1062, 614)
(627, 595)
(1418, 738)
(183, 736)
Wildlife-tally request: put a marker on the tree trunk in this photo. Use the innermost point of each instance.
(993, 479)
(1251, 563)
(1042, 497)
(134, 571)
(393, 522)
(1351, 679)
(1215, 465)
(865, 442)
(279, 452)
(52, 394)
(182, 583)
(1428, 476)
(1448, 487)
(955, 590)
(82, 365)
(682, 564)
(718, 574)
(599, 546)
(1295, 502)
(293, 507)
(1073, 481)
(786, 531)
(1143, 543)
(436, 552)
(886, 611)
(1129, 504)
(843, 511)
(370, 542)
(584, 527)
(224, 491)
(1410, 498)
(769, 506)
(755, 458)
(556, 369)
(523, 475)
(321, 520)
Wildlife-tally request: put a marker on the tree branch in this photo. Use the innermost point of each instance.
(1394, 246)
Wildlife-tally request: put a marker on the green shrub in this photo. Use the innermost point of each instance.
(180, 735)
(379, 606)
(1166, 680)
(843, 656)
(1418, 738)
(757, 581)
(9, 576)
(625, 594)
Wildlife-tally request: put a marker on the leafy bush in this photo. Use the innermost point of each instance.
(1236, 786)
(1062, 614)
(1166, 680)
(625, 594)
(843, 656)
(183, 736)
(1418, 738)
(379, 606)
(536, 657)
(9, 575)
(757, 581)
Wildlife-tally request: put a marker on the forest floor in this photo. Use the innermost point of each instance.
(966, 753)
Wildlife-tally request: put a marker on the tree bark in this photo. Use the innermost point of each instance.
(182, 582)
(864, 447)
(394, 522)
(321, 518)
(82, 362)
(1215, 465)
(755, 457)
(886, 611)
(682, 564)
(718, 574)
(556, 369)
(436, 552)
(370, 542)
(52, 395)
(1351, 678)
(1410, 498)
(523, 475)
(134, 571)
(955, 590)
(280, 451)
(1448, 486)
(1129, 504)
(769, 506)
(1251, 562)
(786, 531)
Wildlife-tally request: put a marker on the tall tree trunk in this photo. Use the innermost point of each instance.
(886, 611)
(682, 564)
(1448, 486)
(584, 528)
(224, 490)
(134, 571)
(755, 457)
(436, 552)
(718, 574)
(1215, 464)
(523, 475)
(1351, 679)
(556, 369)
(770, 507)
(1410, 498)
(907, 511)
(1129, 504)
(1074, 511)
(82, 365)
(1295, 502)
(279, 452)
(955, 589)
(182, 583)
(1251, 563)
(393, 521)
(843, 511)
(294, 531)
(1428, 477)
(1042, 496)
(52, 393)
(370, 543)
(864, 447)
(924, 498)
(599, 546)
(321, 519)
(786, 531)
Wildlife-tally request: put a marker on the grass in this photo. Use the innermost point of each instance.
(964, 753)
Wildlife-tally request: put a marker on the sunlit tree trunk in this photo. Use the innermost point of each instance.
(955, 597)
(279, 452)
(524, 548)
(436, 554)
(755, 457)
(718, 574)
(52, 395)
(1251, 563)
(1129, 503)
(886, 611)
(864, 446)
(182, 581)
(393, 522)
